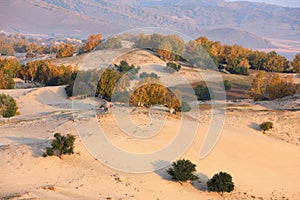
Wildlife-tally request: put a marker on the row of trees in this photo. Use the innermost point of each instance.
(233, 57)
(41, 71)
(206, 53)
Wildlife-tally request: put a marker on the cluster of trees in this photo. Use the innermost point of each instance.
(271, 86)
(183, 170)
(110, 43)
(168, 47)
(64, 50)
(45, 72)
(8, 106)
(42, 71)
(237, 59)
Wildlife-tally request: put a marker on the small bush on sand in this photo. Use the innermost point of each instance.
(182, 171)
(60, 145)
(221, 182)
(266, 126)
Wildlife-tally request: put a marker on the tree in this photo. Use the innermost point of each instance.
(92, 42)
(202, 92)
(8, 106)
(296, 63)
(61, 145)
(65, 50)
(271, 86)
(257, 89)
(278, 87)
(221, 182)
(275, 63)
(182, 171)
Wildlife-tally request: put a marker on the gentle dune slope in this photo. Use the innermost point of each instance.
(261, 166)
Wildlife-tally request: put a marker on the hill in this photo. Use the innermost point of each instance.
(80, 18)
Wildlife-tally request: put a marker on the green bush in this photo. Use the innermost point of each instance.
(266, 126)
(172, 67)
(202, 92)
(60, 145)
(182, 170)
(185, 107)
(151, 75)
(221, 182)
(227, 85)
(8, 106)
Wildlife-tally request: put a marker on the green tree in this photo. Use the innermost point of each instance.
(8, 106)
(221, 182)
(61, 145)
(182, 171)
(202, 92)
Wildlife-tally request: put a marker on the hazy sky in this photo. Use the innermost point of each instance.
(290, 3)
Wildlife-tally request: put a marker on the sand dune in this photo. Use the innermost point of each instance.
(262, 166)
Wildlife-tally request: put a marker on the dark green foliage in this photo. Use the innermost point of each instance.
(8, 106)
(151, 75)
(124, 66)
(185, 107)
(61, 145)
(221, 182)
(182, 170)
(172, 67)
(227, 85)
(202, 92)
(239, 70)
(266, 126)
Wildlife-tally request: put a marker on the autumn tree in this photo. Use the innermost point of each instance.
(65, 50)
(275, 63)
(271, 86)
(92, 41)
(296, 63)
(257, 89)
(9, 69)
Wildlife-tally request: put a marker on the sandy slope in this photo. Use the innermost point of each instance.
(261, 166)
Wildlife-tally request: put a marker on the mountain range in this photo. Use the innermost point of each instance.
(245, 23)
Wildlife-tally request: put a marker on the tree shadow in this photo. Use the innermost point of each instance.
(160, 168)
(36, 145)
(200, 184)
(254, 126)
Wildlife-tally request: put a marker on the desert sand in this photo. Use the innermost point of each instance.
(263, 166)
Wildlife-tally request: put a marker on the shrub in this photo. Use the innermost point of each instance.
(266, 126)
(185, 107)
(8, 106)
(172, 67)
(61, 145)
(221, 182)
(151, 75)
(227, 85)
(182, 171)
(202, 92)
